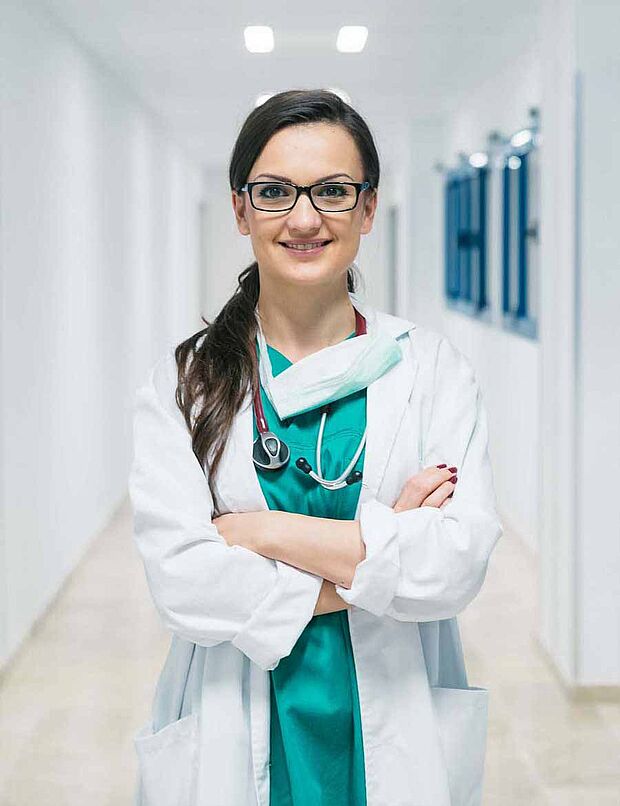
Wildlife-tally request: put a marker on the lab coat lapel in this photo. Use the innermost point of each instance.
(386, 402)
(238, 490)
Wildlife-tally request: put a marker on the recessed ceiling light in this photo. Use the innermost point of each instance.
(521, 138)
(258, 38)
(260, 99)
(352, 38)
(478, 160)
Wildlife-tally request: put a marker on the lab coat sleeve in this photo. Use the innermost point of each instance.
(428, 563)
(205, 590)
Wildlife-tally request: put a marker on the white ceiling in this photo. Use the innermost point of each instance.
(187, 61)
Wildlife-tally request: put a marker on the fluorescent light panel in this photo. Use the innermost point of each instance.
(352, 38)
(258, 38)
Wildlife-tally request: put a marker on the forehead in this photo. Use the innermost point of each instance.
(308, 151)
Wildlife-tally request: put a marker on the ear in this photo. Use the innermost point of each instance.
(238, 202)
(368, 212)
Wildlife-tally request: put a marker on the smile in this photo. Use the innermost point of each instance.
(309, 247)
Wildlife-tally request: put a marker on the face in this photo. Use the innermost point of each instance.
(305, 154)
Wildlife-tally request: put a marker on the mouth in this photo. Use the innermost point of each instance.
(303, 248)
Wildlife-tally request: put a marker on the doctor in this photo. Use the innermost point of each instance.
(314, 505)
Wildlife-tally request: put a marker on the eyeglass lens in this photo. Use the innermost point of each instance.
(328, 197)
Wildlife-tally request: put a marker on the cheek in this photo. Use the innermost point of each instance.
(263, 236)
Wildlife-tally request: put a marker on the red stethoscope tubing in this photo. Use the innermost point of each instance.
(259, 413)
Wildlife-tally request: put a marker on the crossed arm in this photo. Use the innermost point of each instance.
(327, 547)
(210, 582)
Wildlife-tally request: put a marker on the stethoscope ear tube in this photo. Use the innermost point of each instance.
(269, 452)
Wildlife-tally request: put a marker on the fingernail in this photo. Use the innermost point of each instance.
(452, 469)
(443, 466)
(453, 479)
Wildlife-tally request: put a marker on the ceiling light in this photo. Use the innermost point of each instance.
(258, 38)
(260, 99)
(521, 138)
(478, 160)
(352, 38)
(514, 163)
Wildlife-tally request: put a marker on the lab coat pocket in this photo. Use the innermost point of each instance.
(462, 721)
(168, 763)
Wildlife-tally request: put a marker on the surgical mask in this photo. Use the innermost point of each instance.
(330, 373)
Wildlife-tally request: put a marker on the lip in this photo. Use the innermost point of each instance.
(302, 253)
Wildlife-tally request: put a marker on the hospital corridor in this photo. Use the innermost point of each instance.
(150, 155)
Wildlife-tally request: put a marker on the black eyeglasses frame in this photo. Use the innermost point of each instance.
(299, 189)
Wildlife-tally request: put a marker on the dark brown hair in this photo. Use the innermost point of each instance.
(217, 365)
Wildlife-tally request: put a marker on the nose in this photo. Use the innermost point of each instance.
(303, 217)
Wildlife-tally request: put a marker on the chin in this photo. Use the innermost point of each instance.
(309, 274)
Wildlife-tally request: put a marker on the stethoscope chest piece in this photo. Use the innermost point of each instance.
(269, 452)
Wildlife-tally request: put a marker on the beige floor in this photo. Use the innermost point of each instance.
(73, 697)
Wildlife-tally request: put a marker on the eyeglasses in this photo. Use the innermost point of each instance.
(326, 197)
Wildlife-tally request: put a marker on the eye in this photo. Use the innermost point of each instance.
(334, 191)
(273, 191)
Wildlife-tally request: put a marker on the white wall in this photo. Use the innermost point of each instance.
(227, 252)
(553, 403)
(598, 551)
(580, 381)
(558, 412)
(99, 258)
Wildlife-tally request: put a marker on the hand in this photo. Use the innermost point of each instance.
(429, 488)
(247, 529)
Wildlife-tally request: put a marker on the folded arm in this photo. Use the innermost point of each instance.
(328, 547)
(205, 590)
(420, 564)
(428, 563)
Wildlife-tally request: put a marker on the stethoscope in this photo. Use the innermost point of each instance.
(269, 452)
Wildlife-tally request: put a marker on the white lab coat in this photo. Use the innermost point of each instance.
(234, 613)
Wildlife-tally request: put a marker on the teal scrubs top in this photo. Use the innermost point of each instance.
(317, 756)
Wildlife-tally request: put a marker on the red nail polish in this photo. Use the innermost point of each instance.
(442, 466)
(453, 479)
(452, 469)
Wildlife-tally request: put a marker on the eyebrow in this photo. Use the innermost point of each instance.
(286, 179)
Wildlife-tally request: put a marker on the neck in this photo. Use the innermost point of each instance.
(300, 321)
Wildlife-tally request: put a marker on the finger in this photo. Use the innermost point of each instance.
(433, 478)
(436, 498)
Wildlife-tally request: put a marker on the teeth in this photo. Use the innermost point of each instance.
(303, 246)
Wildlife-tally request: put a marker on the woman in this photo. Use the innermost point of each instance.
(312, 594)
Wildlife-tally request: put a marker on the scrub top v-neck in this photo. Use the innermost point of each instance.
(317, 755)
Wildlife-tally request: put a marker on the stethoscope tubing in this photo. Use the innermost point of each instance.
(277, 452)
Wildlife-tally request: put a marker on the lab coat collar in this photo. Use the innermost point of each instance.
(237, 484)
